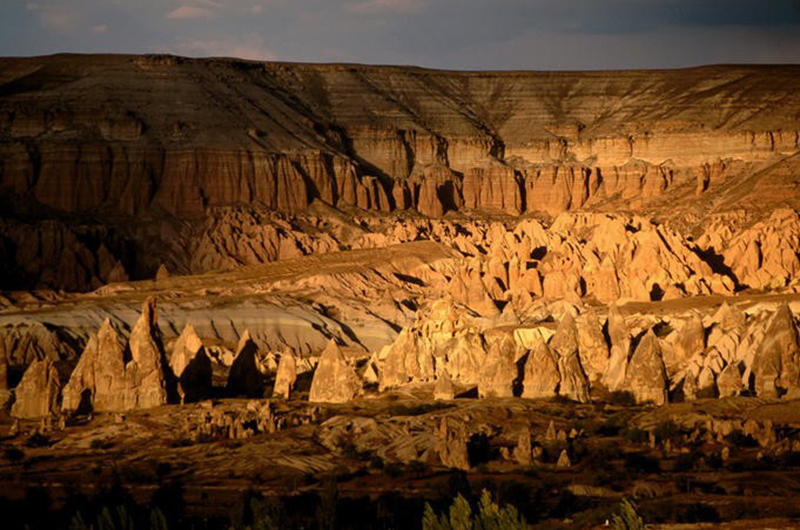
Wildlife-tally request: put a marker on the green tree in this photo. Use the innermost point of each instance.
(490, 516)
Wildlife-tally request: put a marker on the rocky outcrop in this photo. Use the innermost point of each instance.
(191, 365)
(620, 338)
(776, 365)
(450, 443)
(286, 375)
(334, 381)
(408, 359)
(542, 378)
(499, 370)
(646, 377)
(38, 394)
(104, 381)
(146, 367)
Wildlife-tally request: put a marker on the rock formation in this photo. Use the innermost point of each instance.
(38, 394)
(335, 381)
(286, 375)
(191, 365)
(574, 384)
(646, 377)
(776, 364)
(450, 443)
(444, 389)
(105, 382)
(542, 377)
(499, 370)
(147, 358)
(620, 338)
(245, 378)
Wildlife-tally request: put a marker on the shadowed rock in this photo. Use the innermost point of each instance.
(191, 365)
(244, 378)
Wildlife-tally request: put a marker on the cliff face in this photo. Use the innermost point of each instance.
(126, 134)
(127, 139)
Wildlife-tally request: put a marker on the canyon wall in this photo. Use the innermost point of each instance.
(140, 143)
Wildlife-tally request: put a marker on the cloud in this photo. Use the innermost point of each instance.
(369, 7)
(189, 12)
(53, 17)
(251, 48)
(100, 29)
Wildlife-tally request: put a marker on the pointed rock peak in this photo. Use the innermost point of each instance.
(149, 312)
(38, 392)
(565, 341)
(244, 340)
(334, 381)
(162, 273)
(286, 375)
(542, 377)
(728, 317)
(646, 376)
(189, 339)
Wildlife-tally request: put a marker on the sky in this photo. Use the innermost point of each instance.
(452, 34)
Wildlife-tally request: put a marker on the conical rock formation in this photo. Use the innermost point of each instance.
(335, 381)
(38, 394)
(286, 376)
(191, 365)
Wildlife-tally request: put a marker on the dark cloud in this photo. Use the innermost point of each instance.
(480, 34)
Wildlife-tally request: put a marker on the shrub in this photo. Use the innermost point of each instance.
(628, 517)
(461, 517)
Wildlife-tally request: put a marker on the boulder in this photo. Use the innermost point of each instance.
(38, 394)
(334, 381)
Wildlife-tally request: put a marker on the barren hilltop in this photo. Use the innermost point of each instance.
(582, 282)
